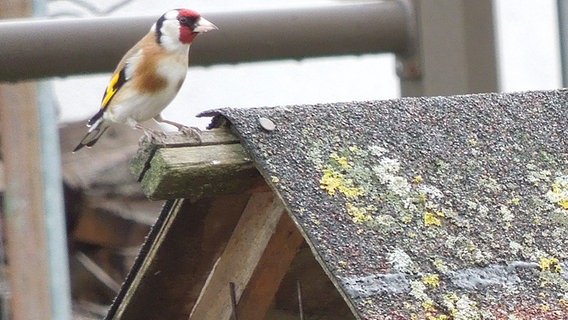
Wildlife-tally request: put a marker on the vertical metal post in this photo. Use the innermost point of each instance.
(563, 33)
(53, 204)
(455, 52)
(60, 286)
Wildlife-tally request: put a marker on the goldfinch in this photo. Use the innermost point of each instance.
(149, 76)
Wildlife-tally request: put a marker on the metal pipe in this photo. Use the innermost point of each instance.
(57, 251)
(45, 48)
(60, 286)
(563, 33)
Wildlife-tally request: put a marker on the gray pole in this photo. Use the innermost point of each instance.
(563, 33)
(60, 287)
(56, 228)
(46, 48)
(455, 49)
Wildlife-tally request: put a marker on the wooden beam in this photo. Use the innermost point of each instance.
(24, 202)
(15, 8)
(193, 172)
(140, 163)
(270, 270)
(217, 165)
(261, 231)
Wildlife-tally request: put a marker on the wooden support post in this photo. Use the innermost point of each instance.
(15, 8)
(24, 202)
(25, 206)
(256, 259)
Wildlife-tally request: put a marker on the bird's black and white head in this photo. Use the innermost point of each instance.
(177, 28)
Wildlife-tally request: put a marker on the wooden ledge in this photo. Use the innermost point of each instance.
(181, 167)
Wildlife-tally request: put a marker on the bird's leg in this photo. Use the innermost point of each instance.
(189, 131)
(156, 137)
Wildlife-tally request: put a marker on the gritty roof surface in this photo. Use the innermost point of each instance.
(427, 208)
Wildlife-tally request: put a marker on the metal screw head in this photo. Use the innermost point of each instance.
(266, 124)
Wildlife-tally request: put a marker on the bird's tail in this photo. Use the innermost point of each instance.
(96, 130)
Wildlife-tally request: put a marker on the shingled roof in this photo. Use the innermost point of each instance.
(425, 208)
(453, 206)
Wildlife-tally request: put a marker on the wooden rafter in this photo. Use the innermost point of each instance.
(256, 259)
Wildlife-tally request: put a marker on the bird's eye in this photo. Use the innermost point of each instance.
(186, 21)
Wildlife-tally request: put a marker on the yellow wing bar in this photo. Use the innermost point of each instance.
(114, 85)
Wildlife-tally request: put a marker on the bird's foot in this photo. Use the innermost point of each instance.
(155, 136)
(191, 132)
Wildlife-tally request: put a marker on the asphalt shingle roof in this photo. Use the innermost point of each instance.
(427, 208)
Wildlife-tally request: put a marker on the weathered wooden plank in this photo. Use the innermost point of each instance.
(140, 162)
(25, 220)
(237, 264)
(270, 270)
(140, 274)
(195, 172)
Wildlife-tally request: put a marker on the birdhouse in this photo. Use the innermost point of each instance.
(415, 208)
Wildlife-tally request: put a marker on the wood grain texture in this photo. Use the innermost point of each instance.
(24, 215)
(194, 172)
(140, 162)
(177, 258)
(184, 167)
(256, 227)
(270, 270)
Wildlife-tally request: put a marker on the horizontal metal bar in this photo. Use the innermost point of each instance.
(45, 48)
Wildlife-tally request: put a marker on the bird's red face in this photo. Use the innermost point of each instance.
(191, 24)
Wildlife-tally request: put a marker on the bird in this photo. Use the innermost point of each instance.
(149, 76)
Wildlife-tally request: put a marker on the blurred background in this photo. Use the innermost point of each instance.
(528, 58)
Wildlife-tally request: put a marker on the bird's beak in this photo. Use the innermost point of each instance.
(202, 25)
